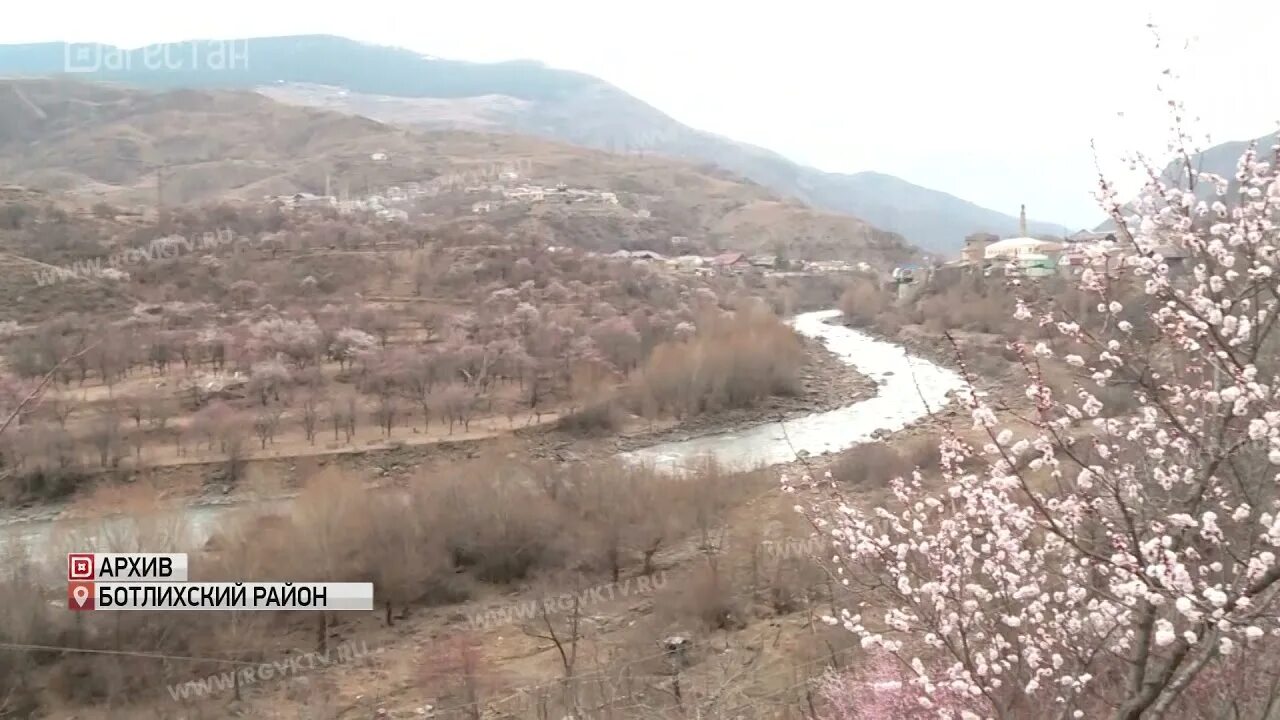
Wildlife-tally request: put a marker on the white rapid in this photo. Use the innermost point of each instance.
(908, 388)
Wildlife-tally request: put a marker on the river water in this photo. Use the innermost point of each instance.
(908, 388)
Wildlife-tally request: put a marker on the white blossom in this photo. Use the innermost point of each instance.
(1139, 495)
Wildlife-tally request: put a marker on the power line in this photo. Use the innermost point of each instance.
(127, 653)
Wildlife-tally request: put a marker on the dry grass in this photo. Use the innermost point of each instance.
(492, 522)
(872, 466)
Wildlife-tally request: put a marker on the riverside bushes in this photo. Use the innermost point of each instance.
(732, 362)
(496, 520)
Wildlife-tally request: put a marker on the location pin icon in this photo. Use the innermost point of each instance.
(81, 595)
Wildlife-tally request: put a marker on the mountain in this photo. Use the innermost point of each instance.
(130, 147)
(1220, 159)
(526, 97)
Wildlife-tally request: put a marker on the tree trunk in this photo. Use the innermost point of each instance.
(322, 632)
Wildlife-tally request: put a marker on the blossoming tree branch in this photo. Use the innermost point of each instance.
(1087, 557)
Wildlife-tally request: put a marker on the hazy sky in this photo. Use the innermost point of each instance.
(995, 101)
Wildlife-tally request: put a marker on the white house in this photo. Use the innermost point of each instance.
(393, 214)
(688, 262)
(1011, 248)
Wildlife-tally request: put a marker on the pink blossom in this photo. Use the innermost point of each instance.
(1040, 596)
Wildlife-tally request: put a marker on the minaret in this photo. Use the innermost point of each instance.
(1022, 222)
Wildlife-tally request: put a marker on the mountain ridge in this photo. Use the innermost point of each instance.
(529, 97)
(1219, 159)
(102, 143)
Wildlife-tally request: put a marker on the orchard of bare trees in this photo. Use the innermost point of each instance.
(284, 347)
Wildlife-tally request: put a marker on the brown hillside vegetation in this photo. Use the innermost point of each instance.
(445, 553)
(118, 144)
(168, 335)
(312, 333)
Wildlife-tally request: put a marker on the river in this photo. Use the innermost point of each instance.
(908, 388)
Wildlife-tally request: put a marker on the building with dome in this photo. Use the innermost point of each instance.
(1024, 254)
(1013, 248)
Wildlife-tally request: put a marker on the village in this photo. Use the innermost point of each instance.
(1022, 256)
(1033, 257)
(738, 262)
(1025, 257)
(495, 185)
(501, 187)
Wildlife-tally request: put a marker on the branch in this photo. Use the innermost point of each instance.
(44, 381)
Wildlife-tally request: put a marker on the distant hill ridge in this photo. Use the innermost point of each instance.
(522, 96)
(133, 147)
(1220, 159)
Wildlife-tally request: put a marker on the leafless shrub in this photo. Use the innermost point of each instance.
(496, 526)
(864, 303)
(595, 419)
(729, 364)
(870, 465)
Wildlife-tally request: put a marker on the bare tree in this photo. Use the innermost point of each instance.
(378, 323)
(265, 423)
(417, 382)
(311, 416)
(232, 439)
(104, 433)
(159, 411)
(138, 437)
(455, 401)
(59, 408)
(134, 409)
(563, 631)
(432, 321)
(110, 360)
(350, 413)
(384, 412)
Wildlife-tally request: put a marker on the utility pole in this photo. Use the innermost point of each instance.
(159, 193)
(159, 189)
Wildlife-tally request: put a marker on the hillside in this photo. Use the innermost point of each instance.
(399, 86)
(134, 148)
(1220, 159)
